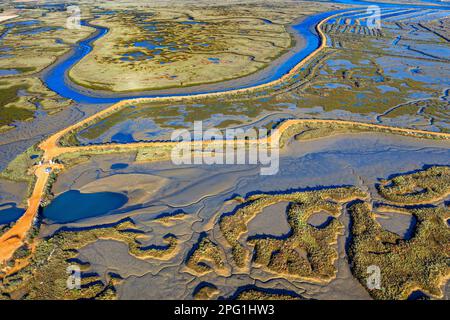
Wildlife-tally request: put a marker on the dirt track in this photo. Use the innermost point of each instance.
(15, 238)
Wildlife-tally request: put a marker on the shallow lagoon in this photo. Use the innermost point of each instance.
(346, 160)
(8, 72)
(74, 205)
(55, 78)
(200, 191)
(9, 212)
(38, 30)
(339, 160)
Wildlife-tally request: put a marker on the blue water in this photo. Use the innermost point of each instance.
(88, 205)
(8, 72)
(11, 27)
(118, 166)
(147, 44)
(397, 40)
(56, 80)
(338, 64)
(133, 56)
(122, 137)
(155, 47)
(384, 89)
(110, 12)
(383, 13)
(38, 30)
(9, 213)
(4, 34)
(332, 86)
(193, 22)
(22, 23)
(151, 27)
(214, 60)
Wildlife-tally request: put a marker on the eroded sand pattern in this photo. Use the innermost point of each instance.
(364, 172)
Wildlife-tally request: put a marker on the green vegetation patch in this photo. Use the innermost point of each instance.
(19, 170)
(420, 263)
(46, 275)
(307, 251)
(12, 113)
(206, 257)
(206, 292)
(426, 185)
(153, 153)
(20, 107)
(260, 294)
(9, 94)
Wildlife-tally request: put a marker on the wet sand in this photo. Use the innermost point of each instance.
(201, 192)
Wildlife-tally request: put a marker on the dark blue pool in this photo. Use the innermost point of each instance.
(74, 205)
(9, 213)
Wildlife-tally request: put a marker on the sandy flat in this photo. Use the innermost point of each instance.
(140, 187)
(7, 17)
(271, 221)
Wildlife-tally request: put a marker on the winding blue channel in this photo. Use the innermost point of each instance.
(56, 77)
